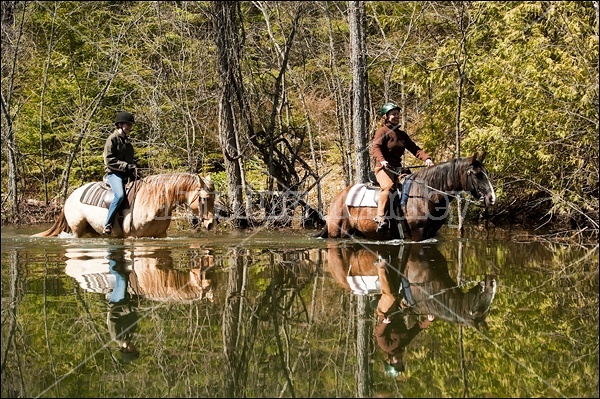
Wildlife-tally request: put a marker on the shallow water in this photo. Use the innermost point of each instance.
(280, 313)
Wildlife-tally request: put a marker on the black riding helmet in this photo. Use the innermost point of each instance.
(124, 117)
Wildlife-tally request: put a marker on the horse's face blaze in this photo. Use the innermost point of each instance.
(204, 206)
(481, 185)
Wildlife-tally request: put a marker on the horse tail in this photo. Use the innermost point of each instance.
(58, 227)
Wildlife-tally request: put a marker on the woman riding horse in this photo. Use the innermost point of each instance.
(388, 147)
(429, 193)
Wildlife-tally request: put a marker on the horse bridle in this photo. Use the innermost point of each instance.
(201, 199)
(469, 172)
(474, 181)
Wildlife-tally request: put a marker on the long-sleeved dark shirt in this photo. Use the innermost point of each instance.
(390, 143)
(118, 153)
(394, 337)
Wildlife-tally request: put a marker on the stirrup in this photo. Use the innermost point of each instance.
(107, 230)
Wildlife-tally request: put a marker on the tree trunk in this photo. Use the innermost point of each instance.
(464, 24)
(9, 142)
(341, 106)
(360, 112)
(227, 42)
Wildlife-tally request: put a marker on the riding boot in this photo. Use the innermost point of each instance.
(380, 219)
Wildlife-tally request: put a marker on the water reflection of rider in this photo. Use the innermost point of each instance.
(122, 315)
(391, 332)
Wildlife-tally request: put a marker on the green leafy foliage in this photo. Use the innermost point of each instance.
(529, 91)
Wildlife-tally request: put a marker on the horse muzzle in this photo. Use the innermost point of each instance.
(488, 199)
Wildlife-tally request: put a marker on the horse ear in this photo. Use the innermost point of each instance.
(482, 156)
(473, 159)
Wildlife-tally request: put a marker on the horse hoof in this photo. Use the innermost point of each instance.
(382, 224)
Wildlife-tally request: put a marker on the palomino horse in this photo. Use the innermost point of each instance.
(151, 273)
(428, 195)
(420, 267)
(151, 201)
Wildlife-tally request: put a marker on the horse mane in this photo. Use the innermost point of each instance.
(173, 285)
(156, 191)
(446, 176)
(448, 305)
(172, 179)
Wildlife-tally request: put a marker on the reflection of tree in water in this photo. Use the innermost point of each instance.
(281, 305)
(281, 299)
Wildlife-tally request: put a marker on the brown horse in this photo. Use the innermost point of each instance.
(152, 201)
(428, 194)
(435, 292)
(421, 267)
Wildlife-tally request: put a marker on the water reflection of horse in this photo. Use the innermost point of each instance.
(151, 202)
(429, 193)
(153, 275)
(433, 290)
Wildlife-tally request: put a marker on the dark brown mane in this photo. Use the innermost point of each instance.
(434, 298)
(447, 176)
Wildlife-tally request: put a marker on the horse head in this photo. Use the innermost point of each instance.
(478, 301)
(204, 207)
(478, 182)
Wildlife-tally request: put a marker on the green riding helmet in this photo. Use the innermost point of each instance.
(124, 117)
(387, 107)
(391, 370)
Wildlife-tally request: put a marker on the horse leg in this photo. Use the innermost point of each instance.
(334, 226)
(76, 215)
(337, 217)
(80, 228)
(346, 230)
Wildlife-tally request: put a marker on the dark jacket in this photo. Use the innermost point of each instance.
(118, 153)
(122, 321)
(392, 338)
(390, 143)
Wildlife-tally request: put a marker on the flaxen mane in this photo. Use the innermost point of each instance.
(157, 191)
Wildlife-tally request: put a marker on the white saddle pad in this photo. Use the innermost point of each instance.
(362, 195)
(363, 285)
